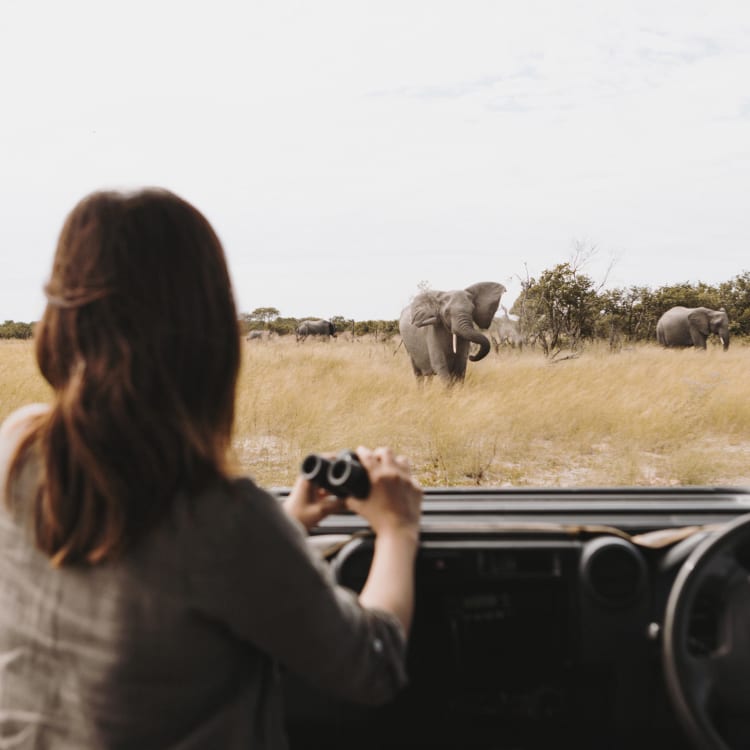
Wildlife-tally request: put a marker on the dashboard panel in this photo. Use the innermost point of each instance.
(537, 621)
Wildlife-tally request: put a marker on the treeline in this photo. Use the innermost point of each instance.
(563, 307)
(15, 330)
(269, 319)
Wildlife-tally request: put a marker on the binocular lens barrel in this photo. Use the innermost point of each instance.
(347, 472)
(344, 476)
(314, 466)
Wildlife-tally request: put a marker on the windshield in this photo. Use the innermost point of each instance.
(555, 195)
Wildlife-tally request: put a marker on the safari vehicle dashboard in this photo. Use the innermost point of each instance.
(614, 618)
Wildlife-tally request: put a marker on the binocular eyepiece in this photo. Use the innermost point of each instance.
(344, 476)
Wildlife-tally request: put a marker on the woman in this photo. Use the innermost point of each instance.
(146, 595)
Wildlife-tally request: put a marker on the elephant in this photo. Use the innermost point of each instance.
(691, 326)
(315, 328)
(438, 328)
(505, 330)
(255, 335)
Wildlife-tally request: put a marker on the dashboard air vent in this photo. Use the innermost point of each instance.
(613, 571)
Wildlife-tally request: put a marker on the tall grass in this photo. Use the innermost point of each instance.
(644, 416)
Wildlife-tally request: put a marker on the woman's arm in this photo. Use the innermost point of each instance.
(390, 583)
(251, 569)
(393, 511)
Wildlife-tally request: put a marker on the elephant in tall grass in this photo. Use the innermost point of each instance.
(691, 326)
(438, 328)
(315, 328)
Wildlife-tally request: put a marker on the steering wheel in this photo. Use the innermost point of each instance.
(706, 640)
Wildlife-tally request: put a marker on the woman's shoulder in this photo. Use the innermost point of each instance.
(232, 523)
(12, 431)
(231, 506)
(239, 500)
(18, 421)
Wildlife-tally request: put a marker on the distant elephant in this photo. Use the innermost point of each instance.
(315, 328)
(437, 329)
(254, 336)
(505, 330)
(691, 326)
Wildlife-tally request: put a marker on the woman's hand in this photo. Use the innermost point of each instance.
(310, 504)
(393, 505)
(395, 499)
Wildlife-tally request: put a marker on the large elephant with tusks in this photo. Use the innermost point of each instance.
(691, 326)
(438, 328)
(315, 328)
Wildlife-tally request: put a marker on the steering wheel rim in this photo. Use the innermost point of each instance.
(702, 685)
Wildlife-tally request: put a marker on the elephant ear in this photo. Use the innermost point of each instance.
(486, 297)
(425, 309)
(699, 320)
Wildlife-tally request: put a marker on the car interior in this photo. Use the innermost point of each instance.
(609, 618)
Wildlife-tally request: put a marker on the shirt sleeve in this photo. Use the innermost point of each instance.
(252, 569)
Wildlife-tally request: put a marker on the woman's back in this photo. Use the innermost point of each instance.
(157, 649)
(119, 654)
(147, 597)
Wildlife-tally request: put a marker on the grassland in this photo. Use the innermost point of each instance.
(642, 416)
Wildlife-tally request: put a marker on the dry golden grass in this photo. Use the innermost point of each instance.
(644, 416)
(20, 381)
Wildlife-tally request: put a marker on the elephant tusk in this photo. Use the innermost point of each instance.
(454, 343)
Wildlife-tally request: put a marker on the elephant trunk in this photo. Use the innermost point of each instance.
(725, 341)
(466, 330)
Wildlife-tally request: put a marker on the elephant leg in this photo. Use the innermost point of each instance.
(699, 340)
(460, 359)
(439, 352)
(417, 372)
(459, 371)
(445, 375)
(442, 368)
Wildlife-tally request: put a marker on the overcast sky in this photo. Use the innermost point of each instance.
(346, 151)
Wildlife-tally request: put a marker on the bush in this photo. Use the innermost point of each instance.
(16, 330)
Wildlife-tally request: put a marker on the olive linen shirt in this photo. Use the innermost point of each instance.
(177, 645)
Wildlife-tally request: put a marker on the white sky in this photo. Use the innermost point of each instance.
(346, 151)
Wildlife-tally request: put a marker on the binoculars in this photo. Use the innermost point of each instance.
(344, 476)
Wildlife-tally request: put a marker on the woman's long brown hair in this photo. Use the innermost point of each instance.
(139, 341)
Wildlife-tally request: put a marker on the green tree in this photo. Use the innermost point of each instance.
(381, 329)
(686, 294)
(558, 309)
(342, 324)
(626, 314)
(283, 326)
(258, 319)
(264, 314)
(735, 295)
